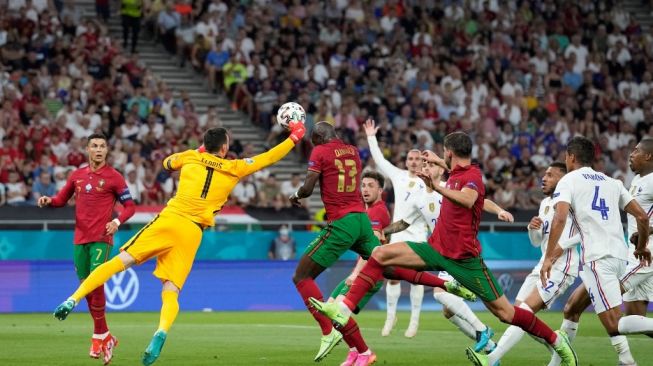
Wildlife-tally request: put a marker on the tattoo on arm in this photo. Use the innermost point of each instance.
(396, 227)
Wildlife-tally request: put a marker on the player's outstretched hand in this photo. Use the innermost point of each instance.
(297, 131)
(370, 127)
(505, 216)
(535, 224)
(432, 157)
(644, 256)
(44, 201)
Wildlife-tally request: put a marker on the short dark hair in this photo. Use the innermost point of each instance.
(582, 148)
(372, 174)
(460, 143)
(559, 165)
(214, 139)
(100, 136)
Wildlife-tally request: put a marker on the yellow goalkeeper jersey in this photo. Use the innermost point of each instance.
(206, 180)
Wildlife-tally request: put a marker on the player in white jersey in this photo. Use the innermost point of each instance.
(427, 206)
(594, 200)
(405, 184)
(532, 296)
(637, 282)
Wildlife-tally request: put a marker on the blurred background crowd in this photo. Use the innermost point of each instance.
(521, 77)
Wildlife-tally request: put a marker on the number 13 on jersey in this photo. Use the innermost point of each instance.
(346, 168)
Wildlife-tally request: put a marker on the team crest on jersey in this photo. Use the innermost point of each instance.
(411, 184)
(432, 206)
(546, 210)
(101, 183)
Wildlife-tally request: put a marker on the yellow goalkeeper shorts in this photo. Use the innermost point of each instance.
(173, 239)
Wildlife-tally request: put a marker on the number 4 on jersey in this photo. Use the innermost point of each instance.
(601, 207)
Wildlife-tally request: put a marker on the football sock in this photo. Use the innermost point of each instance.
(571, 328)
(417, 278)
(352, 335)
(368, 296)
(457, 306)
(416, 297)
(96, 304)
(307, 288)
(527, 321)
(392, 293)
(98, 277)
(620, 344)
(509, 339)
(635, 324)
(169, 309)
(371, 273)
(464, 326)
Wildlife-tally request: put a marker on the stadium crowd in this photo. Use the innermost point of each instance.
(521, 77)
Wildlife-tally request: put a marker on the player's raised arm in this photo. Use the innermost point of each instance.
(258, 162)
(382, 164)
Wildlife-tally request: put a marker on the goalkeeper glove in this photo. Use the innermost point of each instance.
(297, 131)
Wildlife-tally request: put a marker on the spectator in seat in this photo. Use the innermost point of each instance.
(265, 101)
(282, 247)
(153, 194)
(16, 190)
(244, 193)
(135, 185)
(43, 186)
(215, 61)
(291, 186)
(268, 191)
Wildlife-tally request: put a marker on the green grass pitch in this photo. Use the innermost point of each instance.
(276, 338)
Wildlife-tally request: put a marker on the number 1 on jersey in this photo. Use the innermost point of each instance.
(601, 207)
(346, 168)
(207, 182)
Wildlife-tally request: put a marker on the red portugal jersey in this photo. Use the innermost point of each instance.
(455, 235)
(379, 215)
(340, 178)
(95, 196)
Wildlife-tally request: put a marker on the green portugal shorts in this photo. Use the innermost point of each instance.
(353, 231)
(89, 256)
(470, 272)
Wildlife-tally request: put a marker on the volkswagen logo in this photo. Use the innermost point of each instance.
(121, 290)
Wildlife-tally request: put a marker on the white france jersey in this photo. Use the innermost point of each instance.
(405, 187)
(426, 206)
(595, 200)
(641, 188)
(568, 262)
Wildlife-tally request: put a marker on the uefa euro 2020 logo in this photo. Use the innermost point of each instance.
(122, 289)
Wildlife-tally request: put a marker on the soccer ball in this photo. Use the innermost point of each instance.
(290, 111)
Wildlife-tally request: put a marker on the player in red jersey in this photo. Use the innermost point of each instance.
(372, 189)
(338, 168)
(453, 247)
(96, 187)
